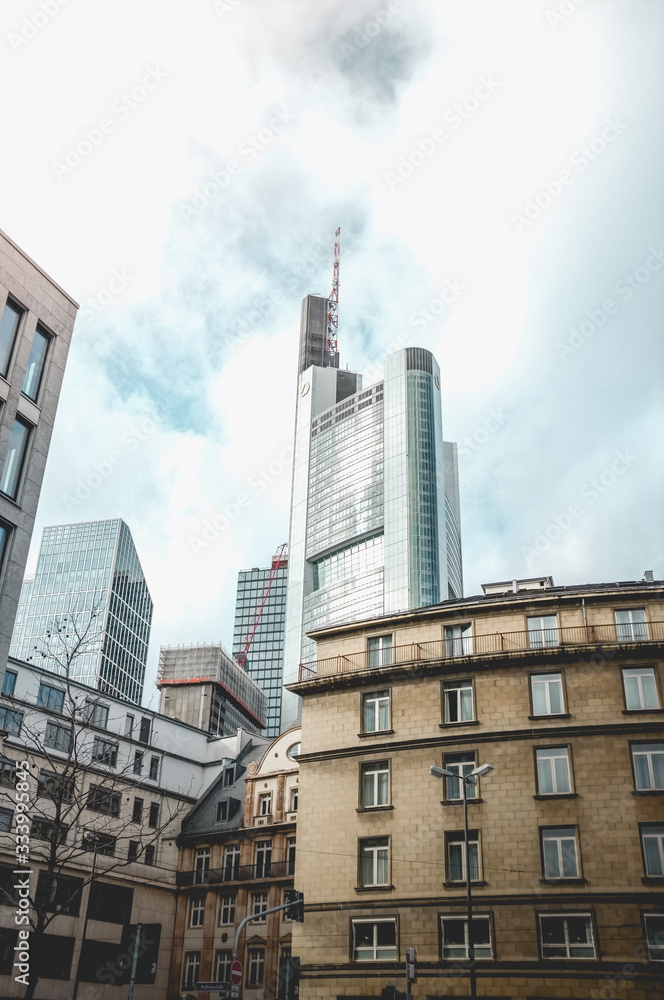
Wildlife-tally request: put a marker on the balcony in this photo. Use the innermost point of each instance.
(239, 873)
(494, 644)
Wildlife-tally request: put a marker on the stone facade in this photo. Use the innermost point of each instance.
(561, 691)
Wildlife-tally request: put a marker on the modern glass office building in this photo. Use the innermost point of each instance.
(88, 594)
(265, 659)
(375, 524)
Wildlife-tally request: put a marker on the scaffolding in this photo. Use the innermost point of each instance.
(204, 663)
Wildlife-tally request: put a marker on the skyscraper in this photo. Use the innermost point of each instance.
(36, 323)
(375, 503)
(265, 658)
(88, 575)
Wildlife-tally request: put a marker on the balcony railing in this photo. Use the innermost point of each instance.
(237, 873)
(495, 643)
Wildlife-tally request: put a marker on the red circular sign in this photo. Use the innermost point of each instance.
(236, 973)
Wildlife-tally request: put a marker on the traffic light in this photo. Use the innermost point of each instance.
(295, 908)
(411, 969)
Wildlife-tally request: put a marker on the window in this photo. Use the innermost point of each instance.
(154, 768)
(229, 776)
(102, 843)
(153, 815)
(16, 452)
(374, 940)
(559, 852)
(144, 731)
(133, 850)
(542, 631)
(454, 937)
(458, 640)
(104, 801)
(265, 804)
(290, 855)
(652, 838)
(44, 829)
(201, 865)
(648, 766)
(380, 651)
(95, 714)
(376, 712)
(256, 969)
(197, 911)
(8, 887)
(192, 964)
(9, 683)
(263, 858)
(6, 816)
(231, 862)
(129, 725)
(137, 812)
(375, 790)
(375, 861)
(59, 894)
(456, 856)
(138, 762)
(7, 772)
(57, 736)
(654, 932)
(259, 906)
(458, 698)
(631, 625)
(566, 936)
(10, 721)
(223, 964)
(36, 363)
(11, 317)
(150, 855)
(640, 688)
(50, 697)
(227, 911)
(104, 752)
(553, 774)
(55, 786)
(294, 751)
(462, 764)
(547, 691)
(293, 800)
(222, 811)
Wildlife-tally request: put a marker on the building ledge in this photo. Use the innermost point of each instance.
(562, 881)
(556, 796)
(374, 888)
(377, 732)
(373, 809)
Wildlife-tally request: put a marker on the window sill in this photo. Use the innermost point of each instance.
(559, 715)
(458, 725)
(374, 888)
(459, 802)
(372, 809)
(648, 791)
(377, 732)
(556, 795)
(562, 881)
(653, 880)
(462, 884)
(642, 711)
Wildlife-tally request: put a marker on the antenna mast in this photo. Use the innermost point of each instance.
(333, 300)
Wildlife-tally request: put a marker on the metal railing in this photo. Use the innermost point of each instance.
(236, 873)
(495, 643)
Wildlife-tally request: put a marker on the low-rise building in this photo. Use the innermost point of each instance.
(560, 689)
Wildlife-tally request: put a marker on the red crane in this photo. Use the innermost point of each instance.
(277, 560)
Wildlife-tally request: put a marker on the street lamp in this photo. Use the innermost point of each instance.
(88, 838)
(466, 779)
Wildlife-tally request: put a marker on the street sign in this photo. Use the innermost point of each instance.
(224, 988)
(236, 972)
(235, 991)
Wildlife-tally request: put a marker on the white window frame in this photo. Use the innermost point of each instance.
(258, 906)
(197, 911)
(201, 865)
(461, 951)
(374, 856)
(231, 861)
(294, 796)
(460, 768)
(265, 804)
(227, 910)
(191, 969)
(455, 838)
(541, 633)
(547, 680)
(549, 756)
(256, 967)
(377, 701)
(628, 630)
(649, 751)
(566, 943)
(374, 780)
(456, 688)
(459, 640)
(380, 650)
(557, 836)
(638, 673)
(375, 956)
(654, 832)
(291, 847)
(654, 946)
(222, 965)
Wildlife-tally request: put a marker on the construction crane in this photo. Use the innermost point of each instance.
(277, 560)
(333, 299)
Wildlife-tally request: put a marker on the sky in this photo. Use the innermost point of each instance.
(495, 167)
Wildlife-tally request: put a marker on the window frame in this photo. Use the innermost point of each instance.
(53, 726)
(356, 921)
(458, 837)
(631, 624)
(374, 845)
(255, 966)
(257, 908)
(104, 801)
(461, 644)
(192, 961)
(54, 697)
(373, 767)
(8, 672)
(563, 694)
(570, 774)
(227, 903)
(553, 914)
(382, 653)
(15, 714)
(653, 789)
(48, 338)
(227, 953)
(110, 751)
(644, 829)
(196, 910)
(462, 684)
(376, 697)
(463, 918)
(644, 921)
(23, 460)
(641, 671)
(543, 644)
(11, 344)
(558, 879)
(472, 791)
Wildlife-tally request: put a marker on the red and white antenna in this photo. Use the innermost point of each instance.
(333, 299)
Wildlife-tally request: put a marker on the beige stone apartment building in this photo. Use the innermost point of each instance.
(237, 857)
(560, 689)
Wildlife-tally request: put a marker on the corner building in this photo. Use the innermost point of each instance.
(560, 689)
(375, 523)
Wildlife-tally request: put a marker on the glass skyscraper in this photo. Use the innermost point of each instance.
(265, 659)
(375, 524)
(88, 583)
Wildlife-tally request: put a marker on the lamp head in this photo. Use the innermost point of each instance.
(441, 772)
(482, 770)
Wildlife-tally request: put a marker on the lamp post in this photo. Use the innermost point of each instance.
(466, 780)
(89, 838)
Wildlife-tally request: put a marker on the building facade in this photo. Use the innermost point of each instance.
(375, 501)
(108, 786)
(89, 580)
(560, 689)
(203, 686)
(264, 661)
(237, 857)
(36, 324)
